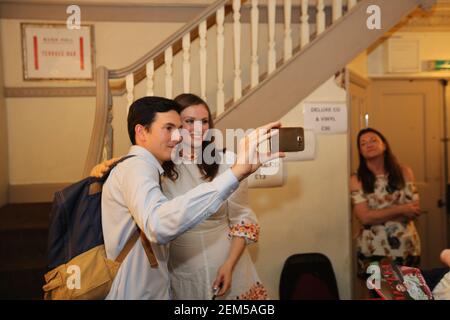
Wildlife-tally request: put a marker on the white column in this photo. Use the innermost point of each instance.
(272, 60)
(168, 59)
(129, 82)
(186, 43)
(237, 49)
(254, 64)
(202, 34)
(304, 32)
(320, 20)
(150, 72)
(337, 9)
(220, 18)
(287, 30)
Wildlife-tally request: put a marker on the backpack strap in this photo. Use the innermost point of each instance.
(148, 250)
(145, 243)
(138, 233)
(106, 174)
(97, 183)
(128, 246)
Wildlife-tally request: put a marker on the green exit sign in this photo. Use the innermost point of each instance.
(442, 65)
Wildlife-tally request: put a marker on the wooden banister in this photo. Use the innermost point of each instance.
(157, 54)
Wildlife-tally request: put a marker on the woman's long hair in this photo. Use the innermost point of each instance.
(393, 169)
(209, 171)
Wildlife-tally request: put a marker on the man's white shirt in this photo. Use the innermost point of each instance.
(132, 195)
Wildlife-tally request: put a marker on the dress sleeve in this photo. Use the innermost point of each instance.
(411, 192)
(358, 196)
(242, 219)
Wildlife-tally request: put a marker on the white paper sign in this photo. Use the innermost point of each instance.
(56, 52)
(325, 117)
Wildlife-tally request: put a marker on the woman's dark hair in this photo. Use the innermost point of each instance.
(209, 171)
(393, 169)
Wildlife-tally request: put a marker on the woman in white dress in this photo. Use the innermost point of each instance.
(213, 254)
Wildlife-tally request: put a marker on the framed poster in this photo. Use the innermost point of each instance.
(55, 52)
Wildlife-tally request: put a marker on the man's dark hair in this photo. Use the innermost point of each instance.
(143, 111)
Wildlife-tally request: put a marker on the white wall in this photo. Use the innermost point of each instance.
(432, 46)
(311, 212)
(4, 173)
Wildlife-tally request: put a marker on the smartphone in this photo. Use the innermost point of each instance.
(216, 291)
(288, 140)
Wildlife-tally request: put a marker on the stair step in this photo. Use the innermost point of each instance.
(22, 284)
(25, 216)
(23, 246)
(22, 249)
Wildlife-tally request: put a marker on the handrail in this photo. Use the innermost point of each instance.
(138, 68)
(139, 73)
(120, 73)
(103, 104)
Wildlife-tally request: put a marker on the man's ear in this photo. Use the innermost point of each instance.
(140, 132)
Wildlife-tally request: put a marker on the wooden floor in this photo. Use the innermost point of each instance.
(23, 245)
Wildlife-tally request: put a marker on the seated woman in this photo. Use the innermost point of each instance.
(386, 202)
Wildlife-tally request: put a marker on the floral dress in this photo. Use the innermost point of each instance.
(196, 255)
(397, 239)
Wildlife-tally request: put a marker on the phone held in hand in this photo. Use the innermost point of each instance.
(216, 291)
(288, 140)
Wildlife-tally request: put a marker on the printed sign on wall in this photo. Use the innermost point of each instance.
(55, 52)
(325, 117)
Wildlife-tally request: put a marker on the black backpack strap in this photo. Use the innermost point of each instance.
(96, 184)
(106, 175)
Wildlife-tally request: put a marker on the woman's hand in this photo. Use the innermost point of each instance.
(223, 279)
(99, 170)
(411, 210)
(445, 257)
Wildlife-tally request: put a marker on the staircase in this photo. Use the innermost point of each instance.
(327, 34)
(331, 34)
(297, 77)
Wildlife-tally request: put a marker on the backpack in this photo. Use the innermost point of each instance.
(78, 267)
